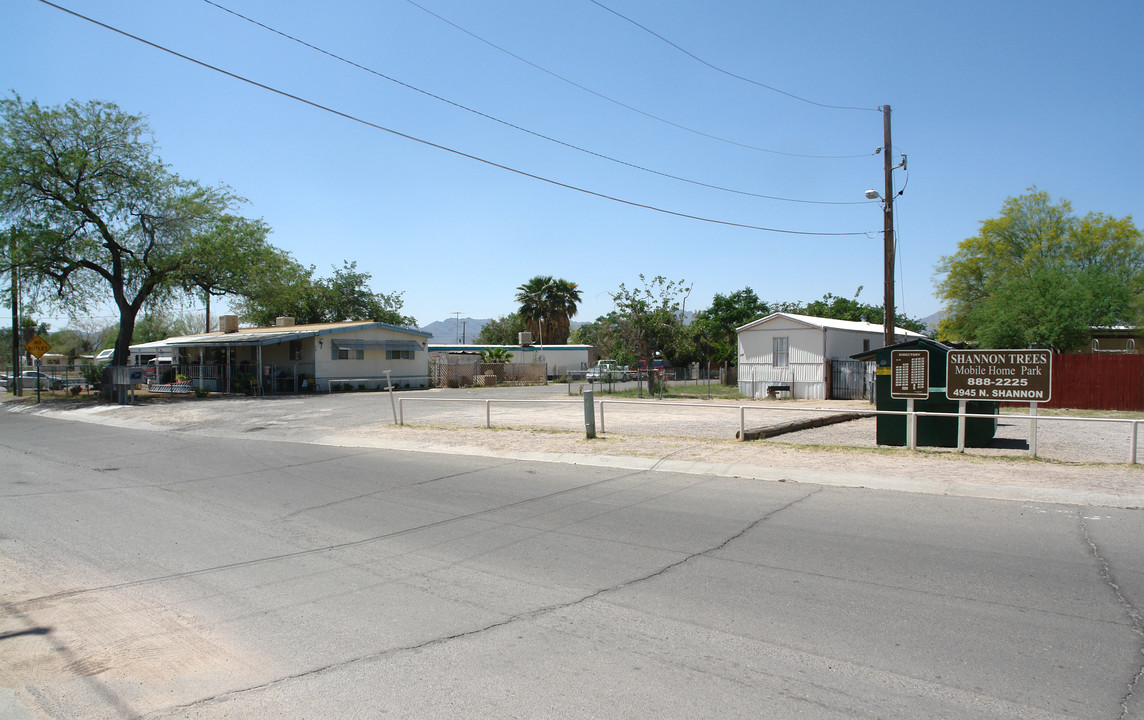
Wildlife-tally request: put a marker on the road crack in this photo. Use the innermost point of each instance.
(1133, 613)
(510, 620)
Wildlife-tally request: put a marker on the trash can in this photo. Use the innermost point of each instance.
(980, 427)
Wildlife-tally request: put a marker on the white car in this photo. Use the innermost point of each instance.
(31, 377)
(609, 371)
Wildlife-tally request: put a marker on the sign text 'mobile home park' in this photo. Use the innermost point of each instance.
(1020, 375)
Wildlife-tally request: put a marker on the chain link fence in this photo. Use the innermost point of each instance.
(479, 374)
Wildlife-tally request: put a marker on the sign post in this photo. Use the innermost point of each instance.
(909, 381)
(1000, 375)
(37, 346)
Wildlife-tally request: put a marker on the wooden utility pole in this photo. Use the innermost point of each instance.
(888, 232)
(16, 381)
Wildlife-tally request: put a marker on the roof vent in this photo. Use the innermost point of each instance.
(283, 322)
(228, 323)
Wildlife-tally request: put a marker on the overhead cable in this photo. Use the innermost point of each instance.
(600, 95)
(428, 143)
(728, 72)
(518, 127)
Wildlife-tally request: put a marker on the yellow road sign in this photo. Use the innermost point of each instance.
(38, 346)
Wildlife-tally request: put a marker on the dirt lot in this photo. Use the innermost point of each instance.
(1082, 462)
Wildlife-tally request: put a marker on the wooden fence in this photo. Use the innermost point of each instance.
(1098, 382)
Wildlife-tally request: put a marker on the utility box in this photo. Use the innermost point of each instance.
(980, 426)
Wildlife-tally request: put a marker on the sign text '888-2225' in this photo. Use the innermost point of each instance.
(1014, 375)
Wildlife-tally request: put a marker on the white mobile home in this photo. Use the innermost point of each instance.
(291, 358)
(787, 353)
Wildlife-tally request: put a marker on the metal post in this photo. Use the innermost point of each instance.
(911, 426)
(961, 405)
(1135, 435)
(401, 411)
(742, 423)
(1033, 430)
(389, 382)
(602, 428)
(589, 415)
(488, 413)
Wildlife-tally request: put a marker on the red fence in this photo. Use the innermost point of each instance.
(1098, 382)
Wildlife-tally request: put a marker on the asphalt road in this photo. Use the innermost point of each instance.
(167, 575)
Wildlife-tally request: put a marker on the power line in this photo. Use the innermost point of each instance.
(523, 129)
(728, 72)
(428, 143)
(600, 95)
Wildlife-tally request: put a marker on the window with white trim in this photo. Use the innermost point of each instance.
(351, 354)
(398, 354)
(781, 356)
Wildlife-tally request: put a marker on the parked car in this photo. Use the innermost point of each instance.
(31, 377)
(609, 371)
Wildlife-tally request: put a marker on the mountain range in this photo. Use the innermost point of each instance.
(455, 330)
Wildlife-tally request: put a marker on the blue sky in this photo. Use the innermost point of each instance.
(988, 98)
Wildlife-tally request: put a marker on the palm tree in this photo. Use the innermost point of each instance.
(553, 302)
(495, 355)
(565, 297)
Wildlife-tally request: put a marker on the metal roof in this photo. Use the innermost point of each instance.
(828, 324)
(275, 335)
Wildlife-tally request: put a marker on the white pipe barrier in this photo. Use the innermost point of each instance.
(911, 416)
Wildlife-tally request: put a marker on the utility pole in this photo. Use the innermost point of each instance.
(16, 380)
(888, 232)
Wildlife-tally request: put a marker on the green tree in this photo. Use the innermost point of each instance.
(551, 302)
(152, 326)
(504, 330)
(342, 297)
(99, 215)
(840, 308)
(712, 331)
(234, 258)
(649, 319)
(1040, 276)
(604, 334)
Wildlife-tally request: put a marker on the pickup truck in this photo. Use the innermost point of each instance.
(609, 371)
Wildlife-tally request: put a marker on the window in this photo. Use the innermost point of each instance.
(398, 354)
(350, 354)
(781, 357)
(295, 349)
(865, 346)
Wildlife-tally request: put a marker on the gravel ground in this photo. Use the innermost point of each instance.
(1073, 439)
